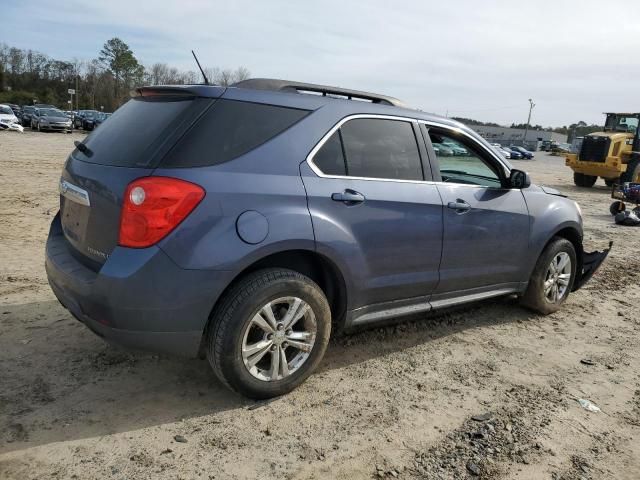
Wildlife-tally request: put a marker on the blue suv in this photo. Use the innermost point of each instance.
(245, 223)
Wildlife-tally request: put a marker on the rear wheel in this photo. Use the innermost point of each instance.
(632, 173)
(269, 333)
(582, 180)
(552, 278)
(610, 182)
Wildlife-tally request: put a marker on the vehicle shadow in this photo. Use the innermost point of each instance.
(61, 382)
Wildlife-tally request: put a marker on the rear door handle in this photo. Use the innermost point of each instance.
(460, 206)
(349, 197)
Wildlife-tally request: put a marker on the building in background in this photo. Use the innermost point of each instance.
(515, 136)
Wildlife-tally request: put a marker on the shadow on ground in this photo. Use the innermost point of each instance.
(61, 382)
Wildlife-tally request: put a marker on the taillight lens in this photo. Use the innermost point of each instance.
(153, 207)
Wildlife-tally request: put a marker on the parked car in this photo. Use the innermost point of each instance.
(561, 148)
(50, 119)
(101, 118)
(7, 116)
(17, 111)
(89, 119)
(245, 222)
(513, 154)
(27, 111)
(457, 149)
(443, 150)
(523, 151)
(500, 150)
(84, 119)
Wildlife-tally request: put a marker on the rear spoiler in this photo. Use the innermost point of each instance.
(210, 91)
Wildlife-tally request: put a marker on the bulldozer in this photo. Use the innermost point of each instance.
(613, 154)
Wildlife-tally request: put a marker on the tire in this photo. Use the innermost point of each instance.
(535, 297)
(617, 207)
(233, 326)
(633, 172)
(582, 180)
(610, 182)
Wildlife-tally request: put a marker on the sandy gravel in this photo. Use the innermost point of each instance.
(395, 402)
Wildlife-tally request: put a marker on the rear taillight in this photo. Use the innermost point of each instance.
(153, 207)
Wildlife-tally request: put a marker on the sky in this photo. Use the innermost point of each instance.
(466, 58)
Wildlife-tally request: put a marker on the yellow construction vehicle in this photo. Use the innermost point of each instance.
(613, 154)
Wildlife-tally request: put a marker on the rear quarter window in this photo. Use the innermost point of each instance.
(229, 129)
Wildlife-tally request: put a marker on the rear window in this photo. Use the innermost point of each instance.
(137, 130)
(229, 129)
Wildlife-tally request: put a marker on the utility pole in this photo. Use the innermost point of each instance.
(77, 94)
(526, 127)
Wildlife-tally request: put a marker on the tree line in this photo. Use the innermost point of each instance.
(28, 76)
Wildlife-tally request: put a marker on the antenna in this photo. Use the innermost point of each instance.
(206, 80)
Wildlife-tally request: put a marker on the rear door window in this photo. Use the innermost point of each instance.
(381, 148)
(229, 129)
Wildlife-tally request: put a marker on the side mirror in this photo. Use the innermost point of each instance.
(519, 179)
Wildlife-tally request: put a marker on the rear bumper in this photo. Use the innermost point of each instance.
(591, 261)
(139, 299)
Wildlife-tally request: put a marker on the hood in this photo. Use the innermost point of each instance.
(552, 191)
(8, 117)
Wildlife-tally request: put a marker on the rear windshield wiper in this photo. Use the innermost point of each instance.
(83, 148)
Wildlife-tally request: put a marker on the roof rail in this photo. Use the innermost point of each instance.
(324, 90)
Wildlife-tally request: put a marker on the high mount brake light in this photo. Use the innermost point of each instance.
(153, 206)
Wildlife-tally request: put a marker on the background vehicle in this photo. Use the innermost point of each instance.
(500, 150)
(27, 111)
(16, 110)
(89, 119)
(79, 120)
(513, 154)
(523, 151)
(443, 150)
(101, 118)
(456, 149)
(7, 115)
(50, 119)
(613, 154)
(248, 220)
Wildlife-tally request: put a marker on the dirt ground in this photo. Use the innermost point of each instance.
(488, 391)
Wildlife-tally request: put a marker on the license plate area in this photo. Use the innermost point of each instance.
(75, 218)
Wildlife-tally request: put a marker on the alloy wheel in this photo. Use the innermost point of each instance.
(279, 338)
(557, 278)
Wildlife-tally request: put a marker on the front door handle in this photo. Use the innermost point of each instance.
(349, 197)
(460, 206)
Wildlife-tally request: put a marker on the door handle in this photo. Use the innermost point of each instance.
(349, 197)
(460, 206)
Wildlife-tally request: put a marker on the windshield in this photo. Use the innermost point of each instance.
(90, 114)
(51, 112)
(621, 123)
(5, 110)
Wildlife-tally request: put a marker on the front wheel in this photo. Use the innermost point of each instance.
(553, 277)
(582, 180)
(269, 333)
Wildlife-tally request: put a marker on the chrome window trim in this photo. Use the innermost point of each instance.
(326, 137)
(411, 120)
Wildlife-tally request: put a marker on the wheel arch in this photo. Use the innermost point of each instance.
(575, 237)
(310, 263)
